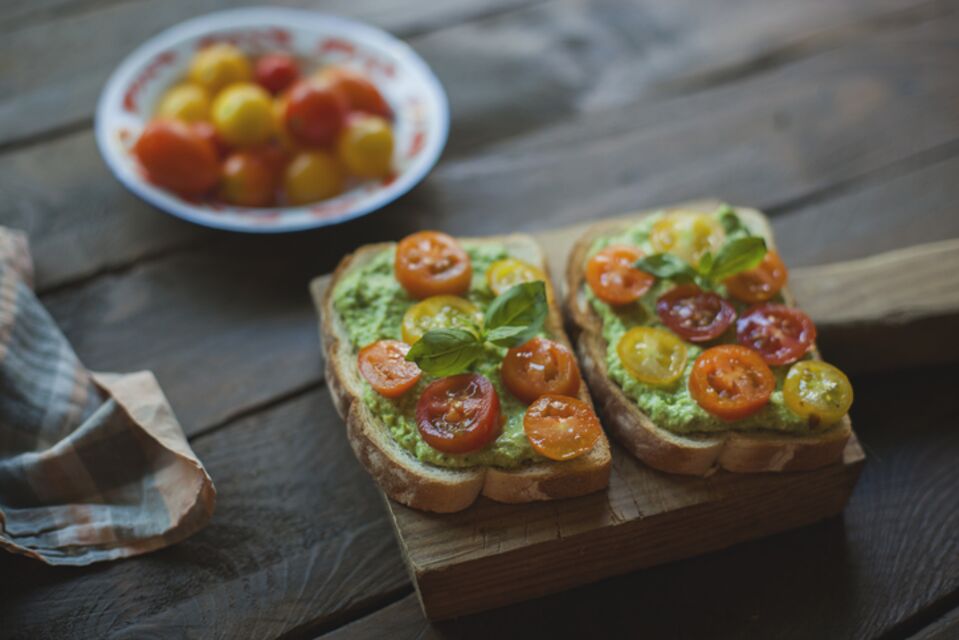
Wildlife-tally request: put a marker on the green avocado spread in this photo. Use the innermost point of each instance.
(672, 407)
(371, 304)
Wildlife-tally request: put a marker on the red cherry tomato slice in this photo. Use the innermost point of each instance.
(731, 381)
(540, 366)
(779, 333)
(760, 283)
(613, 278)
(276, 71)
(315, 112)
(459, 414)
(384, 365)
(561, 428)
(430, 263)
(694, 314)
(177, 158)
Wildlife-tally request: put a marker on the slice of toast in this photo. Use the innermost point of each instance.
(692, 454)
(420, 485)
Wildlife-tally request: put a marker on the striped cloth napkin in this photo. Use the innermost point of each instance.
(92, 466)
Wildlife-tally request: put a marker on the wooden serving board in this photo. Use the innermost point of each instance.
(495, 554)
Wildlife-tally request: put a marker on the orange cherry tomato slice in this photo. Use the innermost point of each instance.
(561, 428)
(779, 333)
(694, 314)
(383, 363)
(731, 381)
(540, 366)
(430, 263)
(613, 278)
(459, 414)
(760, 283)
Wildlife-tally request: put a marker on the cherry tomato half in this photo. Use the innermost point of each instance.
(540, 366)
(779, 333)
(459, 414)
(384, 365)
(760, 283)
(430, 263)
(613, 278)
(175, 157)
(360, 93)
(439, 312)
(651, 355)
(731, 381)
(560, 427)
(687, 234)
(315, 112)
(817, 391)
(247, 180)
(276, 71)
(694, 314)
(505, 274)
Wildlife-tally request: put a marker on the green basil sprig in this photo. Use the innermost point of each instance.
(512, 318)
(741, 252)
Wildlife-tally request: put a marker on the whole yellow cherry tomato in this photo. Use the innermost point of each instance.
(509, 272)
(439, 312)
(654, 356)
(312, 176)
(185, 102)
(243, 114)
(687, 234)
(817, 391)
(365, 146)
(218, 66)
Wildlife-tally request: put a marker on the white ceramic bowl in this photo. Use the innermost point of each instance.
(416, 96)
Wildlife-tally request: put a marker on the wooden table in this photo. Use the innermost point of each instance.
(839, 118)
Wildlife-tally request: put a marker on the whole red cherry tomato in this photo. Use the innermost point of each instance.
(248, 181)
(276, 71)
(361, 94)
(177, 158)
(315, 112)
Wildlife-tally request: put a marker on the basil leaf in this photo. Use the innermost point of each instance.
(739, 254)
(731, 222)
(522, 309)
(666, 266)
(705, 263)
(445, 352)
(505, 336)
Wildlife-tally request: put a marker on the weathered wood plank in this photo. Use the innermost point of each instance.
(299, 539)
(588, 49)
(945, 628)
(858, 576)
(768, 140)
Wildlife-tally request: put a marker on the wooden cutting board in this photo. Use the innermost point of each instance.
(884, 311)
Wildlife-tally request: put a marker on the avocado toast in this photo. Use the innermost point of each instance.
(682, 413)
(366, 304)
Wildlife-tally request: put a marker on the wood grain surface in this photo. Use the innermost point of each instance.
(837, 117)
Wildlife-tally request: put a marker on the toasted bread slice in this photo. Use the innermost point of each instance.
(412, 482)
(692, 454)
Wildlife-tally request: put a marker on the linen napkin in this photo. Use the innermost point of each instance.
(92, 466)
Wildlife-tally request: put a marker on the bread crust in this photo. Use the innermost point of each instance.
(408, 480)
(690, 454)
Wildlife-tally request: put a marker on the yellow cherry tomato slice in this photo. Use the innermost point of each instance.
(687, 234)
(365, 146)
(185, 102)
(439, 312)
(504, 274)
(560, 427)
(312, 176)
(654, 356)
(218, 66)
(817, 391)
(243, 114)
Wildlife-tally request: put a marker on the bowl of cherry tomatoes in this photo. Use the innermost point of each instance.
(271, 120)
